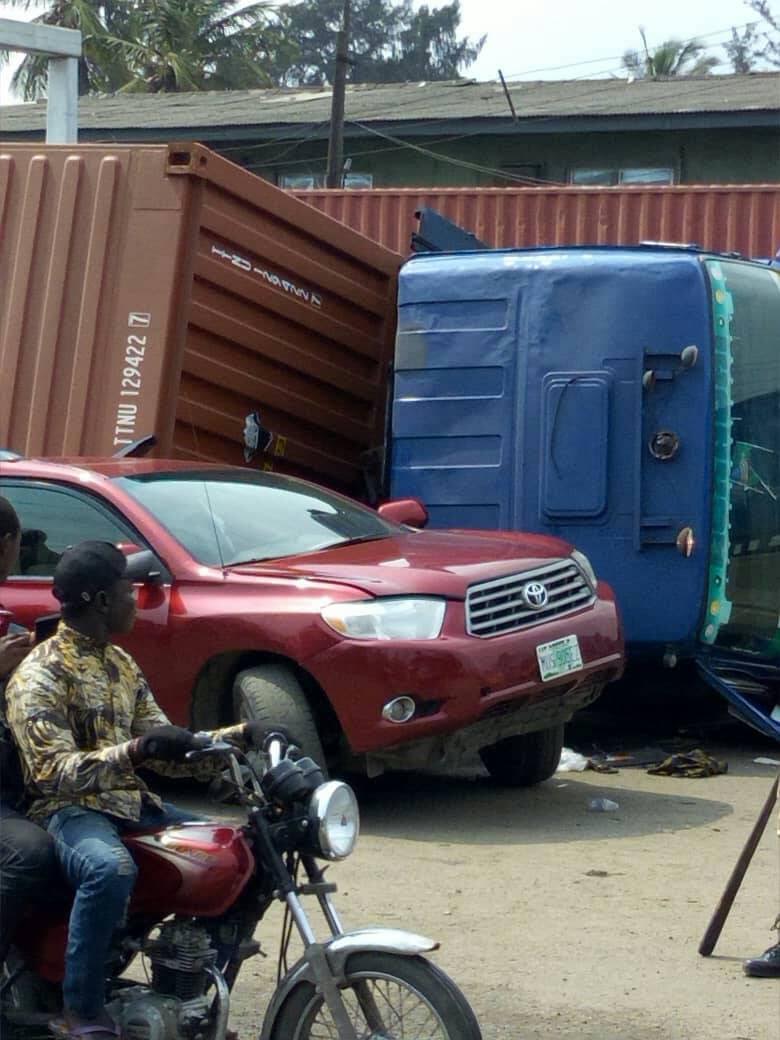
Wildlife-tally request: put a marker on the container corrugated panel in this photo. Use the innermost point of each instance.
(725, 218)
(165, 290)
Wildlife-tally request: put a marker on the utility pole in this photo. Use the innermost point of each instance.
(335, 172)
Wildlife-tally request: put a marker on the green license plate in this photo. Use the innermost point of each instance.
(559, 657)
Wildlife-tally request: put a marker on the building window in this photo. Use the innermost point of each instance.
(310, 181)
(299, 181)
(524, 172)
(608, 176)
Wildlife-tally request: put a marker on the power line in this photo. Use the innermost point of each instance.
(399, 145)
(352, 154)
(619, 57)
(451, 159)
(299, 141)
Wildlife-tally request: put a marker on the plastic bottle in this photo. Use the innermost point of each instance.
(602, 805)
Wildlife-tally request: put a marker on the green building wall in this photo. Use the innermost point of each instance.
(710, 156)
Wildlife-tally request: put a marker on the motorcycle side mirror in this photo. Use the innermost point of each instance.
(409, 511)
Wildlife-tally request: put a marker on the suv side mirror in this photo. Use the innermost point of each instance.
(409, 511)
(143, 567)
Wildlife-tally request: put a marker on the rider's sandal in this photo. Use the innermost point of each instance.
(64, 1030)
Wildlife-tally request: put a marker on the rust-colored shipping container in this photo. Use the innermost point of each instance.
(726, 218)
(164, 290)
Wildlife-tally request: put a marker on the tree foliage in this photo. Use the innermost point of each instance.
(671, 58)
(758, 43)
(389, 42)
(173, 45)
(158, 45)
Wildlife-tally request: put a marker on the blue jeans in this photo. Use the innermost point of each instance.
(102, 872)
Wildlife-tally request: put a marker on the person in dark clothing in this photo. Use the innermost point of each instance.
(28, 865)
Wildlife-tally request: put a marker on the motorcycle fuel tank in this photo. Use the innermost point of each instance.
(197, 869)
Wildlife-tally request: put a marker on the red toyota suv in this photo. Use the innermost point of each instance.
(379, 644)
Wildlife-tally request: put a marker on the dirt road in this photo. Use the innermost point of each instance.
(561, 923)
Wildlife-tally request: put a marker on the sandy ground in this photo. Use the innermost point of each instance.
(561, 923)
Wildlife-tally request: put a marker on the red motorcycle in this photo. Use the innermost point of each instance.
(202, 890)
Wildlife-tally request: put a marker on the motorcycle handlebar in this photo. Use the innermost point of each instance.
(211, 750)
(275, 747)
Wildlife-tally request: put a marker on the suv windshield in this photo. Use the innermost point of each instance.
(231, 518)
(746, 530)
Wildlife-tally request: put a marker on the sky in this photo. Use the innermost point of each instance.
(527, 39)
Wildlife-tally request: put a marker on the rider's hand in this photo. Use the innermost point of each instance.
(13, 650)
(169, 743)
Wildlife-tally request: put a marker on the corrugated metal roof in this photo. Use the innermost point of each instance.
(725, 218)
(405, 102)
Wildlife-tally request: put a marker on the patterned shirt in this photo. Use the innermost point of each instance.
(74, 705)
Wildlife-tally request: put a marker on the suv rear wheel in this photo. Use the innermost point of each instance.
(271, 694)
(526, 759)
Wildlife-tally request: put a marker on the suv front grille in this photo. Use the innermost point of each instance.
(499, 606)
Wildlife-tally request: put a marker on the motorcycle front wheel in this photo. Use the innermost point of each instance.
(387, 997)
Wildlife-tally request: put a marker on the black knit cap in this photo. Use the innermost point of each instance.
(86, 569)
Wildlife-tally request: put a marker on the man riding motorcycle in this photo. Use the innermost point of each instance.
(84, 718)
(27, 863)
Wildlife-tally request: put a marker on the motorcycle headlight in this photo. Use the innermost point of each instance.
(586, 567)
(411, 617)
(334, 819)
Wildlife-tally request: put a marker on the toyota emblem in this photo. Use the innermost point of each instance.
(535, 595)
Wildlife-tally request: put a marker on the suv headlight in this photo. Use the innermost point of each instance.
(334, 819)
(586, 567)
(408, 618)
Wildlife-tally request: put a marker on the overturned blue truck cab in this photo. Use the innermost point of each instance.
(627, 400)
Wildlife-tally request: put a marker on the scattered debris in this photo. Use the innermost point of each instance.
(646, 756)
(602, 805)
(696, 763)
(571, 762)
(600, 765)
(574, 762)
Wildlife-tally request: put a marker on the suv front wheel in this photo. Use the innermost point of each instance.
(272, 695)
(524, 760)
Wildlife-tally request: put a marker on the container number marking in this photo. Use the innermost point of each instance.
(131, 381)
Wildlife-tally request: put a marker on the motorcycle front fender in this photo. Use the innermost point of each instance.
(337, 951)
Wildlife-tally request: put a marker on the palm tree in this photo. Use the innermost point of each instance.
(98, 69)
(672, 58)
(173, 45)
(156, 45)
